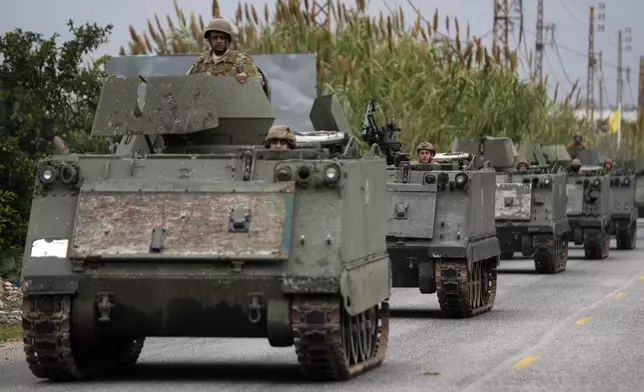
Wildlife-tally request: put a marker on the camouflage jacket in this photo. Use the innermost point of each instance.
(573, 146)
(229, 65)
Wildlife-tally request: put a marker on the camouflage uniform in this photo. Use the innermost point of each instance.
(427, 146)
(280, 133)
(575, 165)
(231, 63)
(523, 164)
(578, 145)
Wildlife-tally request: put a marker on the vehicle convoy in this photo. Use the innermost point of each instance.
(441, 236)
(530, 212)
(589, 204)
(207, 235)
(623, 207)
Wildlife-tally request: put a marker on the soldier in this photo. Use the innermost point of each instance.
(220, 60)
(608, 165)
(426, 152)
(575, 165)
(280, 137)
(60, 147)
(523, 165)
(578, 142)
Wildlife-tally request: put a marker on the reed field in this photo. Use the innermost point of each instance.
(435, 87)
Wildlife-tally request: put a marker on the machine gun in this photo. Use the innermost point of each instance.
(382, 136)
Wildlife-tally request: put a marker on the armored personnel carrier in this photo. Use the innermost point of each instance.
(589, 205)
(623, 207)
(441, 236)
(206, 234)
(637, 167)
(530, 212)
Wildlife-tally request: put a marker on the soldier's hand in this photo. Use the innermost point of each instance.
(242, 77)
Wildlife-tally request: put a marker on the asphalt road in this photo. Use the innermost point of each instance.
(576, 331)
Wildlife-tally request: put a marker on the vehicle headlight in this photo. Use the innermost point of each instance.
(47, 174)
(68, 174)
(547, 180)
(460, 180)
(332, 174)
(597, 183)
(284, 174)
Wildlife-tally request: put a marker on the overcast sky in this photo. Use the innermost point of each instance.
(570, 16)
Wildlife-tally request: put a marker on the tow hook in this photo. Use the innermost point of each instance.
(255, 309)
(105, 305)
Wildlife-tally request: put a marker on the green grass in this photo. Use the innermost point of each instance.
(10, 332)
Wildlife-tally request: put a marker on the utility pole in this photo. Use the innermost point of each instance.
(640, 102)
(541, 42)
(506, 13)
(620, 80)
(539, 45)
(640, 90)
(321, 10)
(620, 88)
(590, 84)
(600, 81)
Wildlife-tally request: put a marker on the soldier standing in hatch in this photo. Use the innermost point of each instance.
(608, 165)
(523, 165)
(577, 142)
(575, 165)
(280, 137)
(426, 153)
(220, 60)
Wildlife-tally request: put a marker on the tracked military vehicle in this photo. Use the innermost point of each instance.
(441, 236)
(214, 236)
(530, 211)
(623, 207)
(589, 205)
(637, 167)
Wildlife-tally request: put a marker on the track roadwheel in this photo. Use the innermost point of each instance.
(598, 249)
(51, 351)
(551, 254)
(627, 240)
(331, 345)
(463, 293)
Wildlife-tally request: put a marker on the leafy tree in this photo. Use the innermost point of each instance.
(46, 89)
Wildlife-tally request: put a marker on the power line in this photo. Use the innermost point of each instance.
(446, 37)
(572, 15)
(563, 67)
(576, 52)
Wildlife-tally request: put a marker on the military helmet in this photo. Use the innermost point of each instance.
(575, 162)
(280, 132)
(579, 135)
(218, 24)
(523, 162)
(425, 146)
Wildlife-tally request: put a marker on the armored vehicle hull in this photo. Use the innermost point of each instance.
(639, 196)
(441, 236)
(588, 211)
(623, 209)
(589, 205)
(227, 240)
(531, 218)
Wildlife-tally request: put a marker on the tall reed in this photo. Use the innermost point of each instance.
(435, 87)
